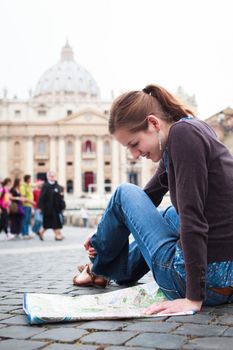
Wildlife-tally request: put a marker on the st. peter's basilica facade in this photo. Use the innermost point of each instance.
(63, 127)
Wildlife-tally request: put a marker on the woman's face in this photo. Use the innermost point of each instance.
(8, 184)
(143, 143)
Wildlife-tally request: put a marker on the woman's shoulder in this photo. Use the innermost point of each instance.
(191, 124)
(191, 128)
(190, 137)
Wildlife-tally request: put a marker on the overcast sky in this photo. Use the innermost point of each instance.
(124, 44)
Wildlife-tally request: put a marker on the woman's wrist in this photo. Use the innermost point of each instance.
(196, 304)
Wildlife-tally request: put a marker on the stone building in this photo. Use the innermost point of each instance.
(222, 123)
(63, 126)
(188, 100)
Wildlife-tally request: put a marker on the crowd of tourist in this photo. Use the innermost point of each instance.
(28, 209)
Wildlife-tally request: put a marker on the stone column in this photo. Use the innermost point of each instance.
(145, 172)
(61, 161)
(115, 165)
(52, 154)
(4, 157)
(100, 166)
(30, 156)
(123, 175)
(77, 167)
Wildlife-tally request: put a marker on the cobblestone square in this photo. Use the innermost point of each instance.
(48, 267)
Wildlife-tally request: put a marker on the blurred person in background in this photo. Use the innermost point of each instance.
(38, 218)
(26, 191)
(16, 210)
(5, 202)
(84, 215)
(51, 203)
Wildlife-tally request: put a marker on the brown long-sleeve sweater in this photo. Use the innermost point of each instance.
(200, 181)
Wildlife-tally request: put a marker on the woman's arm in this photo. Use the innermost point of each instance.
(188, 158)
(189, 153)
(157, 187)
(15, 196)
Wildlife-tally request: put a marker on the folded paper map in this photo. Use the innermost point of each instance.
(123, 303)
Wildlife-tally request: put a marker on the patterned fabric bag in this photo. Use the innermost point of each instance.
(14, 209)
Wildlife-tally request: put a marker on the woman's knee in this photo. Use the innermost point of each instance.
(127, 188)
(129, 193)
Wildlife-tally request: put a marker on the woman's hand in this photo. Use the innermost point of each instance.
(172, 306)
(91, 251)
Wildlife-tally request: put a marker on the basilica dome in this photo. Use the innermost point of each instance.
(67, 77)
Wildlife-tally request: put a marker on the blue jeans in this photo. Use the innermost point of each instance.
(38, 219)
(26, 220)
(155, 234)
(130, 210)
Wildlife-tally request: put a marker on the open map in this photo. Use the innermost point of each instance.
(123, 303)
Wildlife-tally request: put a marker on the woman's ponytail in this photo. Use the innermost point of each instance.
(171, 106)
(130, 110)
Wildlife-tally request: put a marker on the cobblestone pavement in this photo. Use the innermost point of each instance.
(35, 266)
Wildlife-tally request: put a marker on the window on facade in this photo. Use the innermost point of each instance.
(107, 148)
(69, 186)
(69, 163)
(133, 177)
(17, 113)
(88, 146)
(17, 148)
(42, 112)
(107, 163)
(88, 181)
(69, 148)
(107, 185)
(69, 112)
(41, 147)
(41, 164)
(41, 176)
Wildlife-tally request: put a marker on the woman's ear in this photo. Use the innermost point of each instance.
(154, 121)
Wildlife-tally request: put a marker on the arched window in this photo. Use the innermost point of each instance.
(107, 148)
(88, 146)
(69, 186)
(69, 148)
(17, 148)
(41, 147)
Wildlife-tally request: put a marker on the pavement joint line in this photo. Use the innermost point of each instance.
(43, 249)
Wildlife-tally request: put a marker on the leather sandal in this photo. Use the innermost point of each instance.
(59, 238)
(86, 278)
(81, 267)
(40, 235)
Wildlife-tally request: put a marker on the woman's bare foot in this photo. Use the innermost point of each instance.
(58, 235)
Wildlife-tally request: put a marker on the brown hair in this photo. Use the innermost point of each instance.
(6, 181)
(131, 109)
(26, 178)
(16, 182)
